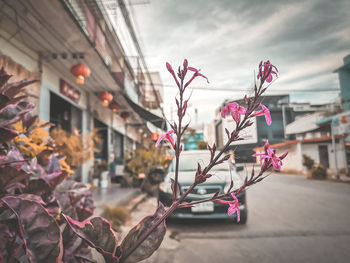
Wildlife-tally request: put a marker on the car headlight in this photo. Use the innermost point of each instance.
(165, 187)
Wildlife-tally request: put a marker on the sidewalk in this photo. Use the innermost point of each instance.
(342, 179)
(112, 196)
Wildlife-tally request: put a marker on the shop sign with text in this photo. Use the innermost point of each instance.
(69, 91)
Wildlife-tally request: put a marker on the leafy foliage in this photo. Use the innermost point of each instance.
(77, 148)
(319, 172)
(41, 209)
(308, 162)
(34, 189)
(117, 216)
(146, 161)
(150, 244)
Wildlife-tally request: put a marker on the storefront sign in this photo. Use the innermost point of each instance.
(69, 91)
(341, 124)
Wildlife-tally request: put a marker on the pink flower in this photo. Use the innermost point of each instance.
(167, 136)
(270, 157)
(196, 74)
(265, 111)
(233, 206)
(268, 152)
(276, 162)
(266, 71)
(235, 110)
(228, 108)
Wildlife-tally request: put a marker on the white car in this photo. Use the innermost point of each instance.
(220, 180)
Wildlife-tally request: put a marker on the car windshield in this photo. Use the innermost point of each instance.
(189, 163)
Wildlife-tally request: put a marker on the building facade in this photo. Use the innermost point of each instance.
(257, 134)
(45, 39)
(344, 83)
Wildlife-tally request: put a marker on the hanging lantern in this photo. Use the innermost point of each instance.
(81, 72)
(125, 115)
(106, 98)
(114, 106)
(155, 136)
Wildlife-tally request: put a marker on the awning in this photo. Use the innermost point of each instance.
(157, 121)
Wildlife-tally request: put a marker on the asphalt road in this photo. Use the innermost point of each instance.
(290, 219)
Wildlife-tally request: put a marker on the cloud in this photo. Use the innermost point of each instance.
(226, 39)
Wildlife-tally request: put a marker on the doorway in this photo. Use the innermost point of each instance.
(323, 154)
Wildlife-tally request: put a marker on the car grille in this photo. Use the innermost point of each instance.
(203, 190)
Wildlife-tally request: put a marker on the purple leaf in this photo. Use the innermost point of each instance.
(4, 100)
(98, 233)
(54, 179)
(13, 158)
(13, 113)
(39, 187)
(4, 77)
(32, 197)
(7, 135)
(12, 89)
(29, 121)
(65, 204)
(39, 231)
(5, 236)
(75, 248)
(75, 196)
(10, 175)
(150, 244)
(54, 165)
(85, 207)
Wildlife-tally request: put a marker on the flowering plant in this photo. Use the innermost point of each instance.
(41, 212)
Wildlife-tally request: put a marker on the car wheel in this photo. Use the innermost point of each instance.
(244, 218)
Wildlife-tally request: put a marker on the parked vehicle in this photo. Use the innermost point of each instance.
(220, 180)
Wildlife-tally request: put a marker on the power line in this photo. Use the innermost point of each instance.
(245, 90)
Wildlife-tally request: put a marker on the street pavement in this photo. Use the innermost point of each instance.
(114, 195)
(290, 219)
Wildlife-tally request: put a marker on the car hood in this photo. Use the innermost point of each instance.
(218, 177)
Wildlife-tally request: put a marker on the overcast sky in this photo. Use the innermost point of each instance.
(306, 40)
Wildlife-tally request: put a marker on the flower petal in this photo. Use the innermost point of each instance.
(234, 197)
(238, 215)
(160, 139)
(231, 210)
(166, 136)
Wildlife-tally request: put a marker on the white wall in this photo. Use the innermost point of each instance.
(293, 162)
(18, 52)
(311, 149)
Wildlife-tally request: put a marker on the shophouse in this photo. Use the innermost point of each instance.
(89, 66)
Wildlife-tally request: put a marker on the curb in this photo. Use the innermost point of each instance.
(124, 201)
(339, 181)
(133, 203)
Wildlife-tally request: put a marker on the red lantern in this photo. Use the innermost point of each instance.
(81, 72)
(155, 136)
(125, 115)
(114, 106)
(106, 98)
